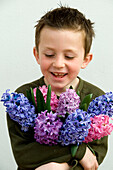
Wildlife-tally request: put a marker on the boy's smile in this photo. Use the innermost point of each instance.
(61, 56)
(60, 75)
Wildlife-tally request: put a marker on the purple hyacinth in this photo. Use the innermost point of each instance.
(75, 128)
(47, 127)
(68, 102)
(19, 109)
(102, 105)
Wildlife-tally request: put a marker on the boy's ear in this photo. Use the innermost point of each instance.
(36, 55)
(87, 60)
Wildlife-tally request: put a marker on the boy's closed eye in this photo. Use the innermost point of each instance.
(52, 55)
(49, 55)
(69, 57)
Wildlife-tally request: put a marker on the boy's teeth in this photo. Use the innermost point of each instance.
(60, 75)
(56, 74)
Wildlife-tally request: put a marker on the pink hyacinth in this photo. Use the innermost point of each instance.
(100, 127)
(54, 100)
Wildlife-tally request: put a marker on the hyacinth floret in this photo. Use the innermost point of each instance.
(75, 128)
(19, 109)
(101, 105)
(54, 100)
(47, 126)
(68, 102)
(100, 127)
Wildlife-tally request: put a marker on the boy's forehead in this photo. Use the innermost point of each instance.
(46, 30)
(51, 35)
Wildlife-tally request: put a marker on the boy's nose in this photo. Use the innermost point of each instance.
(58, 62)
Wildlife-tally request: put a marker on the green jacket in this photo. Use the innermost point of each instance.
(29, 154)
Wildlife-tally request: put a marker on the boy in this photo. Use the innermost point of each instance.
(63, 40)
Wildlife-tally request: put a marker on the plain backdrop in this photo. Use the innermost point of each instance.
(18, 66)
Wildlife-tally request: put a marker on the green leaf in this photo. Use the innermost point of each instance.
(78, 93)
(73, 150)
(28, 95)
(32, 97)
(86, 101)
(41, 106)
(60, 116)
(91, 149)
(48, 100)
(84, 107)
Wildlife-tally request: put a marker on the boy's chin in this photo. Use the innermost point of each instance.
(54, 84)
(58, 88)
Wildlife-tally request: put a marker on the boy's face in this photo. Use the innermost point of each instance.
(61, 56)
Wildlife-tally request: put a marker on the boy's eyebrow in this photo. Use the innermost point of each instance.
(48, 48)
(70, 50)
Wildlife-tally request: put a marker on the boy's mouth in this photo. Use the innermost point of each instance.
(59, 75)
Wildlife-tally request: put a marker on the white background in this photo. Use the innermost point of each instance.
(18, 66)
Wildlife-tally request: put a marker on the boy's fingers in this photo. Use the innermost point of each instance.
(54, 166)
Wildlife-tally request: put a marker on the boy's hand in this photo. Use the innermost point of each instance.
(89, 161)
(54, 166)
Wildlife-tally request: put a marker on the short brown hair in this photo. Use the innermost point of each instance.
(66, 18)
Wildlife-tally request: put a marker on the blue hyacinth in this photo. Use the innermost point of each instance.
(101, 105)
(75, 128)
(19, 109)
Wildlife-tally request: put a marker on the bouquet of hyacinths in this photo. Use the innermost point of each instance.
(65, 120)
